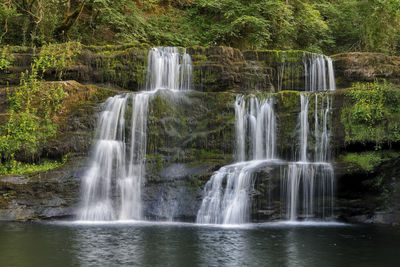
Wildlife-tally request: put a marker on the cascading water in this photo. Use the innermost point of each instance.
(111, 187)
(319, 74)
(307, 190)
(255, 119)
(306, 186)
(168, 68)
(304, 129)
(230, 204)
(316, 69)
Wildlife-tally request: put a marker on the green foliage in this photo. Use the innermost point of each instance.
(16, 167)
(329, 26)
(365, 161)
(32, 110)
(57, 56)
(113, 22)
(312, 31)
(239, 23)
(6, 58)
(374, 115)
(369, 25)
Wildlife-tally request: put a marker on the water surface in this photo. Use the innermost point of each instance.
(177, 244)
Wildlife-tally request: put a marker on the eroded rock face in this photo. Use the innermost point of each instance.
(54, 194)
(363, 66)
(215, 69)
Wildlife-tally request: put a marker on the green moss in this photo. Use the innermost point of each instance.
(192, 127)
(16, 167)
(202, 154)
(156, 161)
(6, 58)
(206, 79)
(275, 57)
(125, 67)
(197, 59)
(288, 99)
(373, 115)
(367, 161)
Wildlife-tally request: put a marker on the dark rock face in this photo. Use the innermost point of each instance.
(368, 195)
(118, 66)
(216, 68)
(54, 194)
(177, 194)
(190, 135)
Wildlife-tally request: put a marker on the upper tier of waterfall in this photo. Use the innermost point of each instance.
(313, 73)
(168, 68)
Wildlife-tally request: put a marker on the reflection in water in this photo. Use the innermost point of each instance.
(174, 244)
(93, 246)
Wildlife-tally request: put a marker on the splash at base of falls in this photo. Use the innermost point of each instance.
(228, 204)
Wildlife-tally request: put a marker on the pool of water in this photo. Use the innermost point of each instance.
(180, 244)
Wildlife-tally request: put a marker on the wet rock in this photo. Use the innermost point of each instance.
(54, 194)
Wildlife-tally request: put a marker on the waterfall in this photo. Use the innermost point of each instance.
(316, 69)
(307, 186)
(226, 195)
(304, 100)
(307, 190)
(168, 68)
(112, 184)
(319, 73)
(255, 119)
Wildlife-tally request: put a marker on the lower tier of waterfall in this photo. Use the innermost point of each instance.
(297, 189)
(111, 187)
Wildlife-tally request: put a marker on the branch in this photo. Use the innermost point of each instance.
(69, 20)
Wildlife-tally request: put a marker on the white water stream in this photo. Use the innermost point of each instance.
(111, 187)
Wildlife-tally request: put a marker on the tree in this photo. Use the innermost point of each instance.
(70, 18)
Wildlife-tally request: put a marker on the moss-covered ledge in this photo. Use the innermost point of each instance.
(121, 66)
(365, 67)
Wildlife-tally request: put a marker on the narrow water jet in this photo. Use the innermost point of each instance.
(304, 129)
